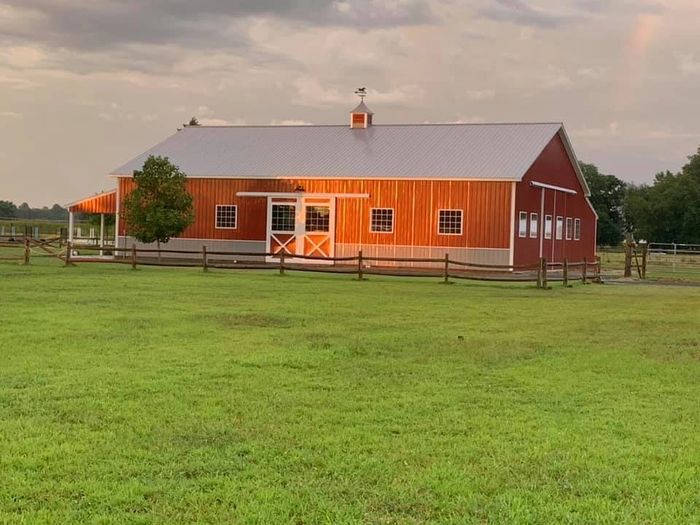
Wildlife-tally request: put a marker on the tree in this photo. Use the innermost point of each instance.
(8, 210)
(607, 198)
(194, 122)
(160, 207)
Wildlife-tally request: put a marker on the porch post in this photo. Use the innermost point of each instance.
(70, 227)
(102, 233)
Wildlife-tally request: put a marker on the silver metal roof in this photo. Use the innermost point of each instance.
(423, 151)
(362, 108)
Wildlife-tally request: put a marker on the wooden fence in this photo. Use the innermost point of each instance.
(542, 272)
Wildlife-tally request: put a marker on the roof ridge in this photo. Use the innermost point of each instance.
(543, 123)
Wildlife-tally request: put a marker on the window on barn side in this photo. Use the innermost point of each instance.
(547, 226)
(450, 222)
(522, 224)
(534, 225)
(569, 228)
(577, 229)
(283, 217)
(382, 220)
(560, 228)
(226, 216)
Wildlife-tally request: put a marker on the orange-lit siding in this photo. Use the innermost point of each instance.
(102, 203)
(486, 209)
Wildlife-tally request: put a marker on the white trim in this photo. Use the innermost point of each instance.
(302, 195)
(536, 216)
(329, 177)
(393, 218)
(461, 222)
(522, 234)
(577, 221)
(511, 259)
(552, 187)
(542, 190)
(569, 220)
(216, 217)
(574, 161)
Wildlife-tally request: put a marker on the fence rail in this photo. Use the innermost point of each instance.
(542, 272)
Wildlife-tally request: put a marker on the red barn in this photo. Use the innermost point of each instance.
(484, 193)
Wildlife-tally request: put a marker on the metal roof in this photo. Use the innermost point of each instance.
(422, 151)
(362, 108)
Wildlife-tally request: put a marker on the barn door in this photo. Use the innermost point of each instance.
(302, 226)
(319, 227)
(282, 227)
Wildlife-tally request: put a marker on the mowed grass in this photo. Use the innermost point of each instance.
(175, 396)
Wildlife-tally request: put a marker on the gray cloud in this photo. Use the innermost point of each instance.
(521, 13)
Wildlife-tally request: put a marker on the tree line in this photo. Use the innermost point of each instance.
(667, 210)
(9, 210)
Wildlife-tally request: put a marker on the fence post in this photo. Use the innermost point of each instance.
(359, 265)
(584, 272)
(133, 256)
(69, 249)
(545, 285)
(282, 261)
(539, 273)
(645, 251)
(675, 254)
(204, 258)
(447, 268)
(566, 272)
(597, 269)
(628, 259)
(26, 251)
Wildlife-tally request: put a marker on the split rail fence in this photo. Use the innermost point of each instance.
(542, 272)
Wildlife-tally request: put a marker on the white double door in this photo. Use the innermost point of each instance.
(300, 226)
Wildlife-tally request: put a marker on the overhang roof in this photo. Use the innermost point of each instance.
(422, 151)
(105, 202)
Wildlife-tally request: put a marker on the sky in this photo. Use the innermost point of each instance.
(86, 85)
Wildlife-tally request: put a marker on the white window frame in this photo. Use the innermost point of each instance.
(569, 228)
(559, 228)
(534, 232)
(548, 226)
(393, 220)
(216, 217)
(577, 229)
(461, 221)
(522, 221)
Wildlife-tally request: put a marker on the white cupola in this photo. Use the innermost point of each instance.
(361, 116)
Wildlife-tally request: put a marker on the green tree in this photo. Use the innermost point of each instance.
(7, 209)
(607, 198)
(194, 122)
(159, 207)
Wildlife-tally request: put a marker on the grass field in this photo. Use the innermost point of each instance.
(174, 396)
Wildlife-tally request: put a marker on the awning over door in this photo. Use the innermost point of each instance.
(105, 202)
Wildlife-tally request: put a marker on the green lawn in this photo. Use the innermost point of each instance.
(174, 396)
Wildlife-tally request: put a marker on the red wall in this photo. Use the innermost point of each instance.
(554, 167)
(486, 209)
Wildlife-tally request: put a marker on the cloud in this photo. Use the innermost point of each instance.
(521, 13)
(290, 122)
(480, 95)
(688, 64)
(11, 115)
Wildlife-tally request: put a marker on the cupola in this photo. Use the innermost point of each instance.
(361, 116)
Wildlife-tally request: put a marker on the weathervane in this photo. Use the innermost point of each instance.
(361, 92)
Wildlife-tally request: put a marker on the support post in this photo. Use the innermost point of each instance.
(133, 256)
(69, 249)
(282, 261)
(584, 272)
(645, 252)
(359, 265)
(70, 227)
(597, 269)
(447, 268)
(102, 233)
(539, 273)
(205, 265)
(566, 272)
(26, 251)
(545, 285)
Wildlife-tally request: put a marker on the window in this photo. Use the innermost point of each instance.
(577, 229)
(560, 228)
(522, 224)
(318, 218)
(226, 216)
(547, 226)
(382, 220)
(450, 222)
(569, 228)
(283, 217)
(534, 224)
